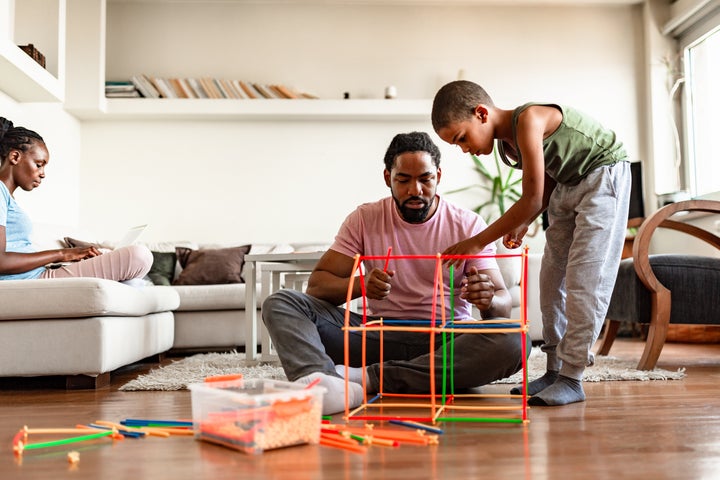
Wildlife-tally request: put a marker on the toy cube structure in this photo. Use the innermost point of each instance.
(441, 403)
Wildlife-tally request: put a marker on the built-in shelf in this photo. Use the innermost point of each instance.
(25, 80)
(260, 109)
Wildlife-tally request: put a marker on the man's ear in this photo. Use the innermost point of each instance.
(439, 175)
(386, 174)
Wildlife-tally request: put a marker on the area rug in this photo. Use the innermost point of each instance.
(179, 374)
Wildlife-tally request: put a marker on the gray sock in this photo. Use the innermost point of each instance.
(334, 398)
(355, 374)
(539, 384)
(565, 390)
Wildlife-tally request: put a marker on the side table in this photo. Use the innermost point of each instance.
(272, 268)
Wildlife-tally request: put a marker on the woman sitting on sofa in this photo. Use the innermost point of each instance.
(23, 158)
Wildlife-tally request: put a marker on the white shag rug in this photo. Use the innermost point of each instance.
(179, 374)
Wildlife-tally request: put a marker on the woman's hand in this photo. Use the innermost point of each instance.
(377, 284)
(76, 254)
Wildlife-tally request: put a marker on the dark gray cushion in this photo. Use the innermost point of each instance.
(694, 282)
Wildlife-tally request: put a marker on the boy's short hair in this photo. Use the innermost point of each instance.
(411, 142)
(456, 102)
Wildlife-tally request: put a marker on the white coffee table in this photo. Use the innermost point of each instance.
(294, 268)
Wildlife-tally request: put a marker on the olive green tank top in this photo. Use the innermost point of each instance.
(578, 146)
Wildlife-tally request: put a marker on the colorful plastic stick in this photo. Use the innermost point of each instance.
(20, 446)
(421, 426)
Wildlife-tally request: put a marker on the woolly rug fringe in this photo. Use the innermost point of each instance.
(179, 374)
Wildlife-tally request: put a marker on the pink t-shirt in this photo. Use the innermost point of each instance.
(373, 227)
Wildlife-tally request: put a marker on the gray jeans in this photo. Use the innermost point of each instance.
(308, 336)
(583, 247)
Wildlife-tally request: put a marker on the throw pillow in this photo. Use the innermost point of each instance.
(74, 242)
(211, 266)
(163, 268)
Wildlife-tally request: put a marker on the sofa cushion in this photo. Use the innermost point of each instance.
(81, 297)
(229, 296)
(211, 266)
(162, 271)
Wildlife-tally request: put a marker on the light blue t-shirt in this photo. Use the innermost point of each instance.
(18, 229)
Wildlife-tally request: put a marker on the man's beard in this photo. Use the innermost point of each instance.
(413, 215)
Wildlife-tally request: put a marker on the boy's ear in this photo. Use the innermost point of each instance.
(481, 112)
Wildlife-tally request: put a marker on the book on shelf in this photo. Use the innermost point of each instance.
(197, 88)
(163, 87)
(120, 89)
(34, 53)
(205, 87)
(209, 86)
(221, 88)
(144, 86)
(235, 92)
(284, 91)
(249, 89)
(265, 91)
(179, 88)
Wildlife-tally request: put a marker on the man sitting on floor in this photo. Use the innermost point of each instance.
(307, 329)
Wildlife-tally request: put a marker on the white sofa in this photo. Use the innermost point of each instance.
(85, 328)
(81, 328)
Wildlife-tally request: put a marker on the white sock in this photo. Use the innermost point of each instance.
(355, 374)
(334, 398)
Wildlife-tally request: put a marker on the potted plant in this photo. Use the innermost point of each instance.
(503, 185)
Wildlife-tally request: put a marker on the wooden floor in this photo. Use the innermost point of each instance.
(639, 430)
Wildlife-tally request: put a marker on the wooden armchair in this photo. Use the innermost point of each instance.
(662, 289)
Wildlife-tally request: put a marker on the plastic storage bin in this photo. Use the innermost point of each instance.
(253, 415)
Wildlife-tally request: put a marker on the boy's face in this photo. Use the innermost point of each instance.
(474, 135)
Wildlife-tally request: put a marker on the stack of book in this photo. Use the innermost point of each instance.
(120, 89)
(34, 53)
(207, 87)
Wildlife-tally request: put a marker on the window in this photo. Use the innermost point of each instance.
(701, 54)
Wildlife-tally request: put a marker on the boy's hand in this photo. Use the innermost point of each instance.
(514, 239)
(466, 247)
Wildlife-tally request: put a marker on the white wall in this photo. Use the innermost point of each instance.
(296, 181)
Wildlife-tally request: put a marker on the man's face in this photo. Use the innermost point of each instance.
(413, 182)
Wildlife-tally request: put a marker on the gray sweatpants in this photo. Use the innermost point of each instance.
(308, 336)
(584, 241)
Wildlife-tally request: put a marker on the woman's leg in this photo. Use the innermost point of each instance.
(125, 263)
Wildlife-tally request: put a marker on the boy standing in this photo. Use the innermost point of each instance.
(577, 170)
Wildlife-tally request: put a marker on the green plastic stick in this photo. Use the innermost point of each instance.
(480, 420)
(65, 441)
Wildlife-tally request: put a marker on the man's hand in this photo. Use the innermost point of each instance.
(377, 284)
(478, 289)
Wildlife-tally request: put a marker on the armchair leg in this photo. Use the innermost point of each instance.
(611, 329)
(657, 333)
(653, 346)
